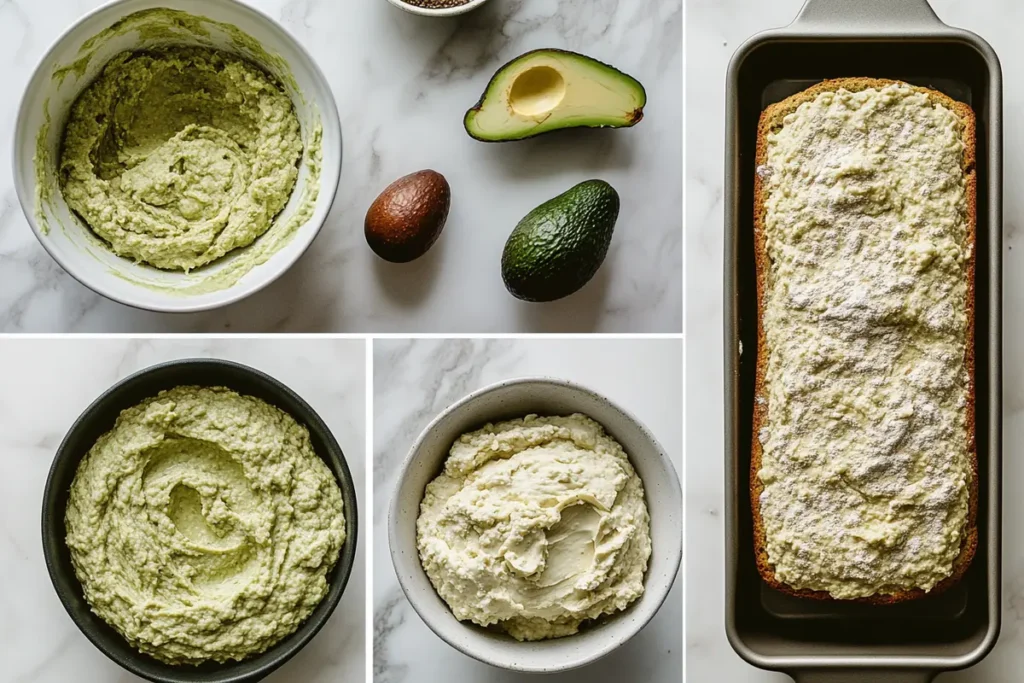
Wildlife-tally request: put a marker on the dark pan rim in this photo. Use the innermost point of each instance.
(288, 647)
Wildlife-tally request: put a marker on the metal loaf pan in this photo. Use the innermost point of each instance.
(834, 641)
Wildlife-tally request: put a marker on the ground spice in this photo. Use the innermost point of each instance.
(436, 4)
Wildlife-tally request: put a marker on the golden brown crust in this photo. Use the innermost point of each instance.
(771, 121)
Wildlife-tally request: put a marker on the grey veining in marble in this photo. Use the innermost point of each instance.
(715, 28)
(403, 84)
(46, 384)
(414, 380)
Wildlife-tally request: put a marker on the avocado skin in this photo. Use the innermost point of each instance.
(408, 216)
(490, 91)
(559, 246)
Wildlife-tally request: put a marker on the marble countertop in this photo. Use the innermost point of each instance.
(403, 84)
(47, 384)
(414, 381)
(715, 28)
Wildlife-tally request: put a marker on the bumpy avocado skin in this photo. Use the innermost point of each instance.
(559, 246)
(495, 95)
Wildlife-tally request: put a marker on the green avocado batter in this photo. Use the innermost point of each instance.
(178, 156)
(204, 526)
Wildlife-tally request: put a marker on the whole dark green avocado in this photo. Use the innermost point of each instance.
(561, 244)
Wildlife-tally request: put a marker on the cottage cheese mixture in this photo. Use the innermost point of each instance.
(203, 525)
(865, 463)
(535, 526)
(178, 156)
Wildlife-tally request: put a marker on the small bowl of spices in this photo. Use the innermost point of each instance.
(438, 8)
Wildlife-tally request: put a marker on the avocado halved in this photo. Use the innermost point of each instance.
(548, 90)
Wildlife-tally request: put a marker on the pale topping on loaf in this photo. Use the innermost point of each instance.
(865, 462)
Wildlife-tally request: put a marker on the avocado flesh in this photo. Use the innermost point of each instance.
(550, 90)
(559, 246)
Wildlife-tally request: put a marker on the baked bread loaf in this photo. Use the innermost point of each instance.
(863, 476)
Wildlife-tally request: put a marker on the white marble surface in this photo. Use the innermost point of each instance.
(413, 382)
(403, 84)
(715, 28)
(46, 385)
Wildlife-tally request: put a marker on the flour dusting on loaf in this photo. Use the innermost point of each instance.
(864, 472)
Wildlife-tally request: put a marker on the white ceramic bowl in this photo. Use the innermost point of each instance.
(517, 398)
(440, 12)
(74, 246)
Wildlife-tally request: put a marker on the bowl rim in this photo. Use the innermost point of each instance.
(439, 11)
(329, 116)
(656, 600)
(306, 630)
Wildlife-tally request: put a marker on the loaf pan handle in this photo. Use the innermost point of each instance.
(867, 16)
(864, 675)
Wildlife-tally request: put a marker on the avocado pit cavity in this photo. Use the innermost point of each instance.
(537, 92)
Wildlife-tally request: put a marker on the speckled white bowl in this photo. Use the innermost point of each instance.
(75, 247)
(441, 12)
(516, 398)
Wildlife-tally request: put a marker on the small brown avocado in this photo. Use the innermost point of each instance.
(408, 216)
